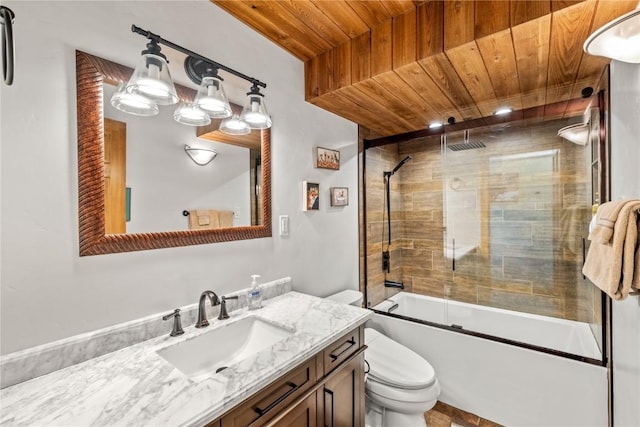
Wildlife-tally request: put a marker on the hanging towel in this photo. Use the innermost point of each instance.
(203, 219)
(614, 266)
(606, 217)
(225, 218)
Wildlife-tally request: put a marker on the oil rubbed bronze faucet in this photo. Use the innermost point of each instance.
(202, 321)
(223, 308)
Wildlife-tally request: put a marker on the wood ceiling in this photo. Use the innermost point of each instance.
(396, 66)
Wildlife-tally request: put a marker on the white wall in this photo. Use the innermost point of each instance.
(625, 182)
(47, 291)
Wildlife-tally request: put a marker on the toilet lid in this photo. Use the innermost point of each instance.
(394, 364)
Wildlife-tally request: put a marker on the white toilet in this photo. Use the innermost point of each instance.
(401, 385)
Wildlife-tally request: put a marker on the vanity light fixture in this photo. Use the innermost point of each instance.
(152, 80)
(435, 125)
(618, 39)
(200, 156)
(190, 114)
(255, 110)
(212, 99)
(234, 126)
(133, 103)
(151, 77)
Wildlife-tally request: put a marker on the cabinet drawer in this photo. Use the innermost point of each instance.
(272, 399)
(341, 349)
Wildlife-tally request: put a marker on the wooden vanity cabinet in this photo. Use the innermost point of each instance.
(343, 399)
(326, 390)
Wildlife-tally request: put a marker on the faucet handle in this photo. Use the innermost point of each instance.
(223, 307)
(177, 324)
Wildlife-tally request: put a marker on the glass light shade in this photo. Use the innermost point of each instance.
(133, 103)
(255, 112)
(212, 99)
(189, 114)
(577, 133)
(234, 126)
(151, 78)
(619, 39)
(201, 156)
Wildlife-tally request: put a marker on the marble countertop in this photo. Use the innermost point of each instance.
(135, 386)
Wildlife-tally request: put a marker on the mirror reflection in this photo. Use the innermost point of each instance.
(153, 185)
(231, 195)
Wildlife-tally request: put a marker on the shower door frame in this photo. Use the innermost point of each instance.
(515, 116)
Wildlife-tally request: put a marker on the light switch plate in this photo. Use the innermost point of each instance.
(284, 225)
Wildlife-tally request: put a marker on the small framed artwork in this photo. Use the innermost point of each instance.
(311, 196)
(327, 159)
(339, 196)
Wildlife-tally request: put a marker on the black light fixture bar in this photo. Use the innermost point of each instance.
(160, 40)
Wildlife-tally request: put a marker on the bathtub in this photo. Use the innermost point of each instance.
(514, 385)
(566, 336)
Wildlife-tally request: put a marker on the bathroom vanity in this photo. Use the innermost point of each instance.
(327, 389)
(311, 373)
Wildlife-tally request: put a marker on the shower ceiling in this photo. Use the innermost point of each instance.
(395, 66)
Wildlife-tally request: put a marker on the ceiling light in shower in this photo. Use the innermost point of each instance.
(502, 111)
(435, 125)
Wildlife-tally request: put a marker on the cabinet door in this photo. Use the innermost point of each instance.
(344, 395)
(264, 405)
(303, 414)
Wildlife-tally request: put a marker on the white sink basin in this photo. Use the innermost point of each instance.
(211, 352)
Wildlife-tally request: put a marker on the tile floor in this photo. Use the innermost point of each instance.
(443, 415)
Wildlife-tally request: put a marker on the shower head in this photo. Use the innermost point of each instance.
(399, 165)
(466, 145)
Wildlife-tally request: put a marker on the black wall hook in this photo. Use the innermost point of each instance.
(7, 19)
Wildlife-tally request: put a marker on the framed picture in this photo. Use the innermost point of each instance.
(339, 196)
(311, 196)
(327, 159)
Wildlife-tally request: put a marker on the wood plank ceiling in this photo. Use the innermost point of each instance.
(396, 66)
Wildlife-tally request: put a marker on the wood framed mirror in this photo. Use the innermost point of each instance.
(91, 73)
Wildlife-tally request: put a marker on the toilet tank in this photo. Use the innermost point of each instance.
(349, 296)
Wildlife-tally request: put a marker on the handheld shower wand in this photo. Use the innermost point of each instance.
(398, 166)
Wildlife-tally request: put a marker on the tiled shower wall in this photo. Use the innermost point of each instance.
(520, 219)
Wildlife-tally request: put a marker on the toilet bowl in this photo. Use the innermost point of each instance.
(400, 385)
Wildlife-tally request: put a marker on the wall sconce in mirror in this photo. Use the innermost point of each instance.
(151, 85)
(200, 156)
(577, 133)
(618, 39)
